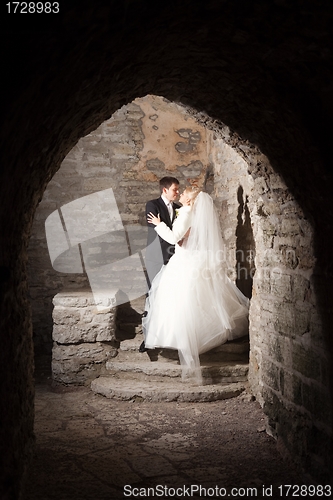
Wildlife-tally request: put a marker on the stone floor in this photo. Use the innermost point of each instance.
(89, 447)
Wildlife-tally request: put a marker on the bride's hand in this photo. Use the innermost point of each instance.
(152, 219)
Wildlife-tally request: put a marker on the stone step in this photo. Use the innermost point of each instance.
(166, 391)
(233, 350)
(221, 372)
(240, 345)
(235, 346)
(129, 340)
(165, 355)
(225, 355)
(171, 356)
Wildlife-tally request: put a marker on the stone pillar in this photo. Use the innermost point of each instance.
(84, 338)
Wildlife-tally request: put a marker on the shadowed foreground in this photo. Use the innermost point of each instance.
(89, 448)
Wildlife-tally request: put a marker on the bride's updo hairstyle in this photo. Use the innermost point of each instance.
(192, 192)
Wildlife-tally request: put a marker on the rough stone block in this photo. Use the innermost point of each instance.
(291, 388)
(305, 258)
(289, 256)
(276, 349)
(269, 226)
(76, 298)
(302, 320)
(66, 316)
(306, 362)
(72, 326)
(266, 257)
(276, 182)
(123, 150)
(290, 227)
(284, 321)
(99, 184)
(261, 286)
(281, 284)
(271, 374)
(317, 402)
(78, 364)
(261, 185)
(63, 334)
(300, 286)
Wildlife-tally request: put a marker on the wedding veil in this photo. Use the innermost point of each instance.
(225, 306)
(205, 243)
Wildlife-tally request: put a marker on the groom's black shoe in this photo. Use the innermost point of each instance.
(142, 347)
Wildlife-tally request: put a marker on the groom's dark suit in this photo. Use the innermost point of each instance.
(158, 251)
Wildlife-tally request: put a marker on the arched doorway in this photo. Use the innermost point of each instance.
(217, 60)
(127, 154)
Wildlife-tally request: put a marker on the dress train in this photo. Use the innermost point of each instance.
(183, 313)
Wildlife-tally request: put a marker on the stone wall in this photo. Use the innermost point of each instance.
(289, 365)
(233, 187)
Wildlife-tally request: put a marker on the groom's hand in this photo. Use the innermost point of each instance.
(153, 219)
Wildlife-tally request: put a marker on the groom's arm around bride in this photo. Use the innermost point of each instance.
(159, 251)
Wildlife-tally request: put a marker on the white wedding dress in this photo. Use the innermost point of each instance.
(192, 305)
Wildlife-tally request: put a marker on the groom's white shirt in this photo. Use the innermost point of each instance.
(168, 204)
(180, 226)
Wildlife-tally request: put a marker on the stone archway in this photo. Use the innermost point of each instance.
(140, 143)
(252, 69)
(281, 239)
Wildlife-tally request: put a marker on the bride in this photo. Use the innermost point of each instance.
(192, 305)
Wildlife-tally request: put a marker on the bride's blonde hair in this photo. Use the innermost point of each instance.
(192, 192)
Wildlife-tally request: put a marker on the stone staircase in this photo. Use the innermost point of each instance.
(156, 374)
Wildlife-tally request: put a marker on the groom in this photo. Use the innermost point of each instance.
(159, 251)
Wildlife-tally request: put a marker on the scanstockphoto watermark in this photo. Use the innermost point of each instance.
(224, 272)
(278, 491)
(196, 490)
(222, 263)
(88, 236)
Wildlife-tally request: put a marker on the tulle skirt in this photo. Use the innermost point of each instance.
(193, 308)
